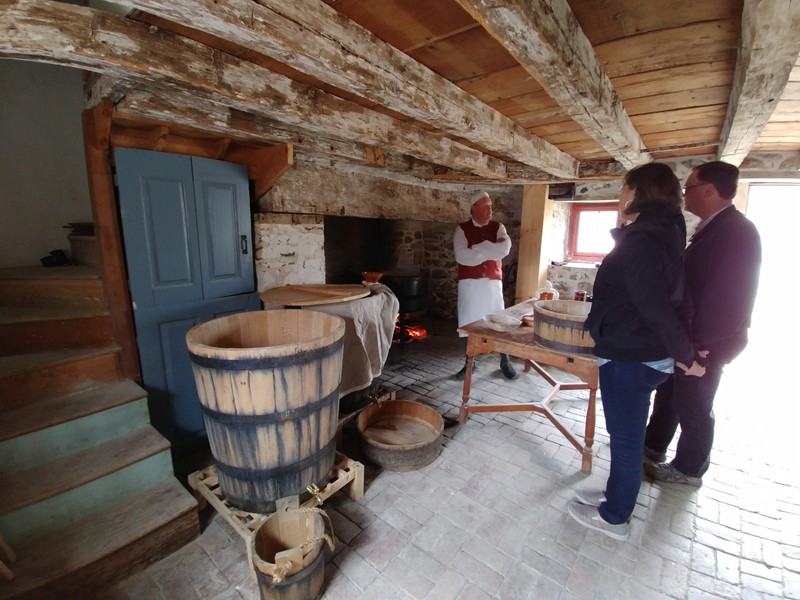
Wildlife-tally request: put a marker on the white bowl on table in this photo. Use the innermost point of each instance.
(501, 322)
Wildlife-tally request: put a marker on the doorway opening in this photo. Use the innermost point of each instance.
(756, 405)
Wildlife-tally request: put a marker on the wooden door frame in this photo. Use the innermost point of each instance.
(97, 146)
(266, 163)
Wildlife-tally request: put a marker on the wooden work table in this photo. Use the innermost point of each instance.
(519, 343)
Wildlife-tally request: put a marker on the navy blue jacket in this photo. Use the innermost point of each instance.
(722, 266)
(637, 291)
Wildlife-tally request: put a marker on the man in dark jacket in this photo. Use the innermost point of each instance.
(721, 264)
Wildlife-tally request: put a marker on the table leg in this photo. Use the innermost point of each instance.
(588, 436)
(463, 412)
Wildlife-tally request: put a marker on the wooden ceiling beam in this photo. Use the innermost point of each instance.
(312, 38)
(178, 108)
(546, 39)
(102, 42)
(769, 48)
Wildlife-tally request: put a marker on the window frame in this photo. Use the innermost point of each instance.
(572, 232)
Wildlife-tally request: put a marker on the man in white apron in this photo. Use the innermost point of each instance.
(480, 245)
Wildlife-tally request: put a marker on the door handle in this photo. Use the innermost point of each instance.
(243, 243)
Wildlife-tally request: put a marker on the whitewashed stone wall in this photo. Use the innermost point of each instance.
(567, 278)
(289, 249)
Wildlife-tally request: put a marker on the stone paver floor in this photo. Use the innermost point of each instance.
(488, 518)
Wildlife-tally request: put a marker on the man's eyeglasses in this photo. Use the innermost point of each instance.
(694, 185)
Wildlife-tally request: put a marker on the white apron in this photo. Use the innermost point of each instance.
(478, 298)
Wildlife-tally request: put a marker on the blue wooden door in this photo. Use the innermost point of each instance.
(159, 224)
(222, 196)
(187, 238)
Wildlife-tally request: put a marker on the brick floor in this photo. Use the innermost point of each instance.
(488, 518)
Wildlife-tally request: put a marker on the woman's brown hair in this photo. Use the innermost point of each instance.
(655, 187)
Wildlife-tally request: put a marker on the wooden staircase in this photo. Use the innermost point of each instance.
(88, 491)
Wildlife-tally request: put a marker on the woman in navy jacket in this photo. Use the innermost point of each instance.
(639, 335)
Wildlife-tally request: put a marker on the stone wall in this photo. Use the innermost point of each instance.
(423, 226)
(568, 278)
(289, 249)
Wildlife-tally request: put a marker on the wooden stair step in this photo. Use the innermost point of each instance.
(51, 479)
(28, 377)
(91, 555)
(73, 285)
(55, 410)
(34, 329)
(54, 443)
(26, 314)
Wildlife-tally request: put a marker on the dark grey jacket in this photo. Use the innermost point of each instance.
(637, 292)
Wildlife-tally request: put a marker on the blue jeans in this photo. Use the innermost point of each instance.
(625, 389)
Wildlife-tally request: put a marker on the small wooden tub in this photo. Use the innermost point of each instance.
(400, 435)
(288, 558)
(559, 324)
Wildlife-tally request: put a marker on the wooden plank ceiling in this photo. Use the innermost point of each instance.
(510, 90)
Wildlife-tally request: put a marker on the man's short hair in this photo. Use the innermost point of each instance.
(723, 176)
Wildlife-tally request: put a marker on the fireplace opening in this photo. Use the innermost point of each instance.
(354, 245)
(415, 258)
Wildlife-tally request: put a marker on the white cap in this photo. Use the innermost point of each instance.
(477, 196)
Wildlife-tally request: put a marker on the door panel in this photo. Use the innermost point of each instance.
(159, 227)
(172, 395)
(223, 218)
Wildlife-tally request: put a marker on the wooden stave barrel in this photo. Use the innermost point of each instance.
(560, 325)
(270, 400)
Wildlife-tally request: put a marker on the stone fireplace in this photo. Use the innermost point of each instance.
(319, 225)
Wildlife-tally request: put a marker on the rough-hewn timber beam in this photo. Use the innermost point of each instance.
(320, 188)
(97, 41)
(768, 51)
(313, 38)
(545, 38)
(177, 108)
(189, 111)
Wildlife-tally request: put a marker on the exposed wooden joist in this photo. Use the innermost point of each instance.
(162, 106)
(769, 48)
(178, 108)
(182, 109)
(314, 39)
(546, 39)
(83, 38)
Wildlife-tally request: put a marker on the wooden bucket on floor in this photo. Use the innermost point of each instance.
(268, 383)
(288, 557)
(559, 324)
(400, 435)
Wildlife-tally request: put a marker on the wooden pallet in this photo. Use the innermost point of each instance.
(207, 490)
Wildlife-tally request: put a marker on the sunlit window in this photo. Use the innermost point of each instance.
(589, 226)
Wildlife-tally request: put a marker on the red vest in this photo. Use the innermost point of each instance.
(475, 235)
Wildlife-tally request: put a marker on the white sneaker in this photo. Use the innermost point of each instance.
(590, 497)
(589, 517)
